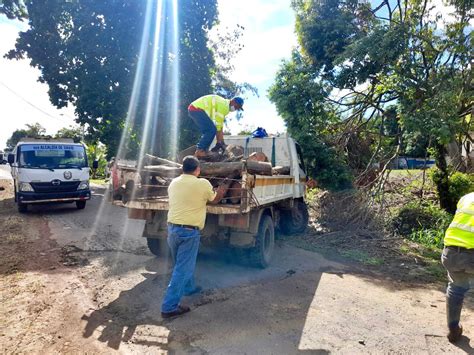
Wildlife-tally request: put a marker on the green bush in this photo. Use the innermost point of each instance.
(424, 224)
(325, 164)
(460, 184)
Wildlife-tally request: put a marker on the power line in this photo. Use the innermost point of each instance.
(33, 105)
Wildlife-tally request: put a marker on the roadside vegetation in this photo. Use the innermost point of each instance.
(400, 230)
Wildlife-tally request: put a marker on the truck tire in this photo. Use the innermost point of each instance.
(261, 254)
(22, 207)
(295, 220)
(158, 247)
(80, 205)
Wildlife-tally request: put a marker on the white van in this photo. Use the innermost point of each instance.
(46, 171)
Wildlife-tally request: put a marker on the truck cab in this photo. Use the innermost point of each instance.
(49, 171)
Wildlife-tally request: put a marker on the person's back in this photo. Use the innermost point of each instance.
(458, 259)
(208, 113)
(188, 196)
(461, 230)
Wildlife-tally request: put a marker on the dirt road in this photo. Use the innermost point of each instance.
(83, 282)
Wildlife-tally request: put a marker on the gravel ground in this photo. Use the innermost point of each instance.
(83, 282)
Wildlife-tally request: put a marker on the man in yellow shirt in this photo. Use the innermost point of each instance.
(458, 259)
(208, 113)
(188, 196)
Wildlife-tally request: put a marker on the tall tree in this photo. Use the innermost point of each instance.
(34, 130)
(75, 133)
(369, 56)
(88, 52)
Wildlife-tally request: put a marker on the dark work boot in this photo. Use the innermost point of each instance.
(455, 334)
(181, 310)
(453, 312)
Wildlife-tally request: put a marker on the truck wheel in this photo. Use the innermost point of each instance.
(22, 207)
(80, 205)
(295, 220)
(158, 247)
(262, 253)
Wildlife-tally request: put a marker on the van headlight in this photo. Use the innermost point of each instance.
(26, 187)
(84, 185)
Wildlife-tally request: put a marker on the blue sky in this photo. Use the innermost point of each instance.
(267, 39)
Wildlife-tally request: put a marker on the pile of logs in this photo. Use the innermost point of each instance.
(218, 169)
(219, 165)
(156, 173)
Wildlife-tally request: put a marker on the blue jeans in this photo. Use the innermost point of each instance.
(206, 126)
(184, 246)
(460, 267)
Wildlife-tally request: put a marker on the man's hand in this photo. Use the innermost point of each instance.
(221, 190)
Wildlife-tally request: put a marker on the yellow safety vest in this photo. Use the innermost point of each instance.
(216, 108)
(461, 230)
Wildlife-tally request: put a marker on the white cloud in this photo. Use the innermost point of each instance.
(20, 92)
(268, 38)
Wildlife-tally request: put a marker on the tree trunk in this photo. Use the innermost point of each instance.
(442, 181)
(163, 171)
(259, 167)
(159, 160)
(221, 169)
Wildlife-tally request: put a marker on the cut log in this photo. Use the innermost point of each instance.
(212, 157)
(153, 159)
(162, 170)
(222, 169)
(259, 168)
(226, 183)
(232, 151)
(281, 170)
(238, 158)
(219, 169)
(188, 151)
(235, 193)
(258, 156)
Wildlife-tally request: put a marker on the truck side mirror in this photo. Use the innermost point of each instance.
(11, 159)
(95, 164)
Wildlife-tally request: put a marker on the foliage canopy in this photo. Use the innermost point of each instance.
(88, 53)
(381, 75)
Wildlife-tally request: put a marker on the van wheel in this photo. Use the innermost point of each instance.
(22, 207)
(295, 220)
(262, 253)
(80, 205)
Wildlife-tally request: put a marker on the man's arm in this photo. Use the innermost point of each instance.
(220, 193)
(220, 136)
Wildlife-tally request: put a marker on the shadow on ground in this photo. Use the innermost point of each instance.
(133, 319)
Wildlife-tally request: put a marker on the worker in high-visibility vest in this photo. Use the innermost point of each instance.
(458, 259)
(208, 113)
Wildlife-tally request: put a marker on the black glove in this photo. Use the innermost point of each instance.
(219, 147)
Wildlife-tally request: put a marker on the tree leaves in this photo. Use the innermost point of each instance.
(363, 61)
(88, 52)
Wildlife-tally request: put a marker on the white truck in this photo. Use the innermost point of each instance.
(245, 223)
(50, 171)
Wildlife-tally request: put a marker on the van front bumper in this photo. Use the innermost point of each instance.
(40, 197)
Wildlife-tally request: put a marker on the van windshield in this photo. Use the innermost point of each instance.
(52, 156)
